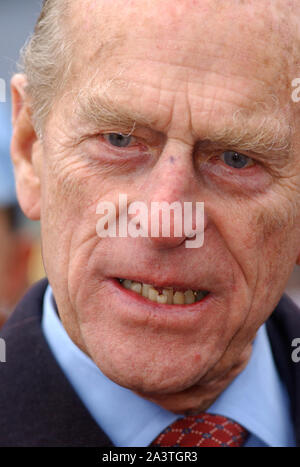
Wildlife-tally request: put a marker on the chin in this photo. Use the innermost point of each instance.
(152, 348)
(152, 372)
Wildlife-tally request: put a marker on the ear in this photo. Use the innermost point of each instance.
(26, 150)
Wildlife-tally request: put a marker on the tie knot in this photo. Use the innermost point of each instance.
(203, 430)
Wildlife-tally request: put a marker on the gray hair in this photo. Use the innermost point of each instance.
(45, 60)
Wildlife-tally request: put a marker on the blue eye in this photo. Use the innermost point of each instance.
(118, 140)
(236, 160)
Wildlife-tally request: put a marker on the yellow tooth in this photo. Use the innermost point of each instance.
(153, 294)
(189, 297)
(169, 294)
(127, 284)
(161, 299)
(145, 290)
(178, 298)
(136, 287)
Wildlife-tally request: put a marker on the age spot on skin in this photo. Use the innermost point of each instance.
(172, 159)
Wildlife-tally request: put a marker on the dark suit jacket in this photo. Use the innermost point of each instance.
(38, 406)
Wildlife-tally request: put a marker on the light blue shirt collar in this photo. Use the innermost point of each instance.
(256, 398)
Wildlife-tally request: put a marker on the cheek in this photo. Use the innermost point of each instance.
(260, 237)
(236, 232)
(274, 248)
(278, 245)
(69, 199)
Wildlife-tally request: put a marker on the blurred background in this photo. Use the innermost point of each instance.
(20, 252)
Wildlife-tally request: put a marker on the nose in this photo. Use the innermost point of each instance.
(176, 213)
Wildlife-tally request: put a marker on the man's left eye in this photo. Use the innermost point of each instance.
(236, 160)
(118, 140)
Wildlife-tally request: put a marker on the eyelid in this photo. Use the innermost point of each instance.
(118, 133)
(143, 135)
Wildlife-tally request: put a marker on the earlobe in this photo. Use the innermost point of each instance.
(24, 146)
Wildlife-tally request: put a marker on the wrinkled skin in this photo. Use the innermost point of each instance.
(199, 79)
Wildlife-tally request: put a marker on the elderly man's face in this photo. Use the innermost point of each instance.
(189, 81)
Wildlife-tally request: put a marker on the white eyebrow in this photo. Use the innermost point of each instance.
(260, 132)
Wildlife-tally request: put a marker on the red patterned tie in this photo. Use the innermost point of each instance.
(203, 430)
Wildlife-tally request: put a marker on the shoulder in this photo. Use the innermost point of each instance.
(283, 327)
(27, 314)
(38, 407)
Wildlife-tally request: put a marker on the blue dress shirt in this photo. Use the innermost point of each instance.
(257, 399)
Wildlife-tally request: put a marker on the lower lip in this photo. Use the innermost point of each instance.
(130, 298)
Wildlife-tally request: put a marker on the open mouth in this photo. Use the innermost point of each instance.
(168, 295)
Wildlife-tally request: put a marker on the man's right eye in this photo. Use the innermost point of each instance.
(119, 140)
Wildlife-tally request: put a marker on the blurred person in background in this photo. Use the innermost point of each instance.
(15, 245)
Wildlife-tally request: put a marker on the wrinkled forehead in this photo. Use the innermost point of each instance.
(274, 23)
(255, 40)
